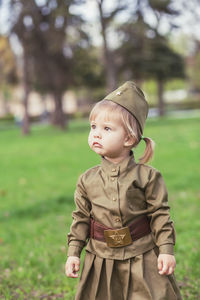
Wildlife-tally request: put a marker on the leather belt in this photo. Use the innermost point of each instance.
(120, 237)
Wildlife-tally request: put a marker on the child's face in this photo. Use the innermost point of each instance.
(108, 137)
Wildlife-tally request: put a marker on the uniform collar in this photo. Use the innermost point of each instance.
(117, 169)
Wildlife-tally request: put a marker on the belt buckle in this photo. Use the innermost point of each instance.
(118, 237)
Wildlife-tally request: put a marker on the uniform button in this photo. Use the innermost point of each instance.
(117, 219)
(114, 199)
(113, 170)
(112, 179)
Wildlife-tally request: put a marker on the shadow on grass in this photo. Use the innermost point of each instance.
(39, 209)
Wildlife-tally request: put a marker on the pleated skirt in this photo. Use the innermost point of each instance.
(136, 278)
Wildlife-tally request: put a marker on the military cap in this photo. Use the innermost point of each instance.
(132, 99)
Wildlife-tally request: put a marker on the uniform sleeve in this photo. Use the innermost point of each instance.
(158, 211)
(79, 230)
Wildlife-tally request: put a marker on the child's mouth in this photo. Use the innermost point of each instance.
(97, 145)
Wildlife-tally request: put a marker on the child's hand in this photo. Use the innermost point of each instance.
(166, 264)
(72, 266)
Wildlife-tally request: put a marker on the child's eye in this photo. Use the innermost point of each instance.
(93, 126)
(107, 128)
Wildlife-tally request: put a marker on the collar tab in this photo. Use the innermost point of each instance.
(115, 170)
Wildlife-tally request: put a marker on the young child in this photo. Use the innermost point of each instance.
(122, 211)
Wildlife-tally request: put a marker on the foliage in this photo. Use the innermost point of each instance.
(52, 39)
(135, 48)
(146, 54)
(59, 51)
(41, 30)
(88, 70)
(8, 73)
(38, 177)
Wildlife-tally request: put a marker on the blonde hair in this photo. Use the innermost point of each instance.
(130, 124)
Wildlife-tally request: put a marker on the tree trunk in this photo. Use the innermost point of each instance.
(161, 104)
(58, 116)
(111, 78)
(25, 121)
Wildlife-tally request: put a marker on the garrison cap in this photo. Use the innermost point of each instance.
(132, 99)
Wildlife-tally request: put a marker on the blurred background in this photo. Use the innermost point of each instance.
(57, 58)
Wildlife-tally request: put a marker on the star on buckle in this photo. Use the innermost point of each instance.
(118, 237)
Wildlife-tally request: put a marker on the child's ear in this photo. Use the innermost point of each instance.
(129, 141)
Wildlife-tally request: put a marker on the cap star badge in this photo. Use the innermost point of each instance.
(118, 93)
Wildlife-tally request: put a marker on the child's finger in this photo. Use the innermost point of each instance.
(74, 272)
(72, 266)
(170, 271)
(165, 269)
(160, 264)
(67, 270)
(70, 271)
(76, 266)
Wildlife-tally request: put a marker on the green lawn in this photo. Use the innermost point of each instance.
(37, 181)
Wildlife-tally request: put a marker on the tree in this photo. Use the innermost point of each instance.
(164, 64)
(146, 53)
(87, 69)
(135, 49)
(41, 30)
(151, 58)
(109, 62)
(8, 72)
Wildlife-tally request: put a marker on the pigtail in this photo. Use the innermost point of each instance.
(148, 152)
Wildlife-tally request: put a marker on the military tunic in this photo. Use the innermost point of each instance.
(115, 195)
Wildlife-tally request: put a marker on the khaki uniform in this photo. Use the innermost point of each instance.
(115, 195)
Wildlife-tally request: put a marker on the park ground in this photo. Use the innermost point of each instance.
(38, 174)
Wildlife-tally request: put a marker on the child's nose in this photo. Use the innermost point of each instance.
(97, 134)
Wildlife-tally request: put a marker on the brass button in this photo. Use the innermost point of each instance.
(114, 199)
(112, 179)
(113, 170)
(117, 219)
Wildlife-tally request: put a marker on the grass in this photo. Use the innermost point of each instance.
(37, 180)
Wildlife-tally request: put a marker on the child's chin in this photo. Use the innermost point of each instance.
(98, 151)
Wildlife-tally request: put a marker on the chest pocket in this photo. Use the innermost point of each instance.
(136, 199)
